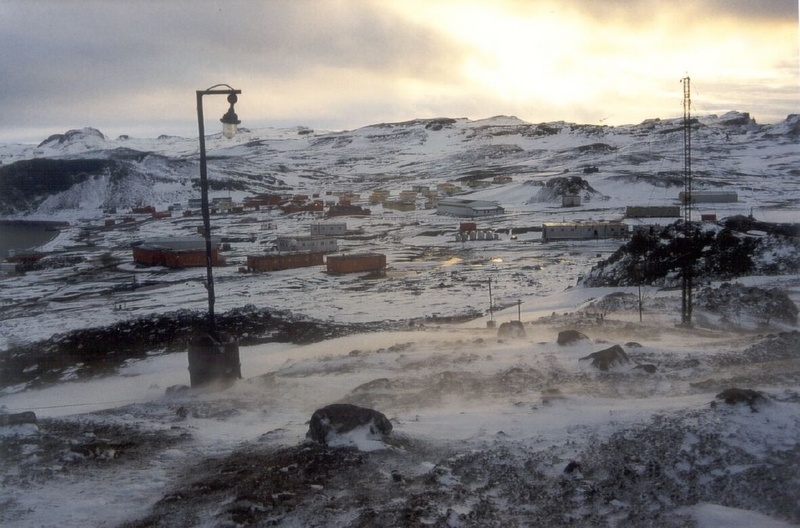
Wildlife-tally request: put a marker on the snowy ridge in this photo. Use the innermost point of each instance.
(431, 151)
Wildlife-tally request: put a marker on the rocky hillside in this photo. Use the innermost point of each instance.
(732, 248)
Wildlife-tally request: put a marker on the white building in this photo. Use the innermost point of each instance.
(468, 208)
(584, 230)
(316, 244)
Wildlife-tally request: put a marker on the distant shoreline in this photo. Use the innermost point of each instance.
(23, 236)
(47, 224)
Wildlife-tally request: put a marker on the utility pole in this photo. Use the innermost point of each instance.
(686, 290)
(490, 322)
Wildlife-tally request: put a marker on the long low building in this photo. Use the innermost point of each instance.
(356, 262)
(329, 229)
(652, 211)
(307, 243)
(584, 230)
(468, 208)
(178, 252)
(710, 197)
(282, 261)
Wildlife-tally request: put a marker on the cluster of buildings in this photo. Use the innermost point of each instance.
(291, 252)
(318, 247)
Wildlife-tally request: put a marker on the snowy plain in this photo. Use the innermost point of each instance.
(464, 403)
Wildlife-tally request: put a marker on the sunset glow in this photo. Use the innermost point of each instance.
(336, 65)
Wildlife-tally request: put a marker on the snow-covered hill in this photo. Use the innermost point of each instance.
(729, 151)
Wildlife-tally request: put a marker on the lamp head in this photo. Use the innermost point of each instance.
(230, 120)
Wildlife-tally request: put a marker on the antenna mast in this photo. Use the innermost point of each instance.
(686, 298)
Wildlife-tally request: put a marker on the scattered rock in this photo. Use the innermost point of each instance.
(735, 395)
(344, 417)
(552, 394)
(572, 467)
(608, 357)
(633, 344)
(177, 390)
(376, 384)
(570, 337)
(27, 417)
(511, 329)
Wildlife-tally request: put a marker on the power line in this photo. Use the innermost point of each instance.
(85, 404)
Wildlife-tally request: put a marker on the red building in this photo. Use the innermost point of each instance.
(186, 252)
(315, 207)
(348, 210)
(356, 263)
(282, 261)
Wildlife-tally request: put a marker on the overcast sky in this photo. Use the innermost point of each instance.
(132, 67)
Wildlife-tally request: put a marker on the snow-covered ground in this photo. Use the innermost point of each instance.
(450, 391)
(484, 427)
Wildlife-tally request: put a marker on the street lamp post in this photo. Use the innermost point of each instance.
(229, 123)
(215, 356)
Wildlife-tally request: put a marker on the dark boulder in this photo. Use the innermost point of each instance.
(27, 417)
(608, 357)
(647, 367)
(511, 329)
(572, 467)
(735, 395)
(570, 337)
(341, 418)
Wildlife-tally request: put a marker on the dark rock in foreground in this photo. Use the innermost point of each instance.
(735, 395)
(570, 337)
(607, 358)
(341, 418)
(27, 417)
(511, 329)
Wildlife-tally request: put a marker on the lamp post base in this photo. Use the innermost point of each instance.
(214, 361)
